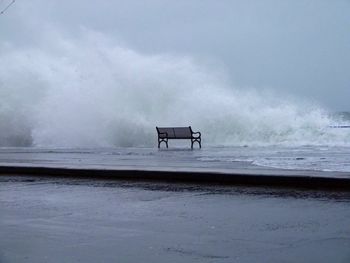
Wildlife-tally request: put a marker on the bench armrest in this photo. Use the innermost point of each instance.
(162, 134)
(199, 134)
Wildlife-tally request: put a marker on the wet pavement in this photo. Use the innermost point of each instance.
(45, 219)
(214, 160)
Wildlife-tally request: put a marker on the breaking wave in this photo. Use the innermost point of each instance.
(92, 92)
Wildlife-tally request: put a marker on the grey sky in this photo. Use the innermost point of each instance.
(294, 47)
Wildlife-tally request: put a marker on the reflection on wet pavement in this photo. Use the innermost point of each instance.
(46, 219)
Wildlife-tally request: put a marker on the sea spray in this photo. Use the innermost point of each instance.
(92, 92)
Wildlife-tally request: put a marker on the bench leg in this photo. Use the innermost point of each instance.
(196, 140)
(162, 140)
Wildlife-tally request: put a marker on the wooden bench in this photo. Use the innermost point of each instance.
(166, 133)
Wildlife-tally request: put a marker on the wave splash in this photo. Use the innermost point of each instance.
(91, 92)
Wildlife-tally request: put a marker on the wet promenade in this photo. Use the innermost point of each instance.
(214, 165)
(46, 219)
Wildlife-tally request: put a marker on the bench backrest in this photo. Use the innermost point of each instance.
(175, 132)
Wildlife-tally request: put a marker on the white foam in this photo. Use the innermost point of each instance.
(92, 92)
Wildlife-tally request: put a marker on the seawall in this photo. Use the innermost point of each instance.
(277, 178)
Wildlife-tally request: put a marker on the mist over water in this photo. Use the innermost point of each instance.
(92, 92)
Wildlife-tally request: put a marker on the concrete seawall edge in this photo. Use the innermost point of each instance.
(297, 181)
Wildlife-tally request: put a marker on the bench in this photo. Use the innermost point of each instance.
(166, 133)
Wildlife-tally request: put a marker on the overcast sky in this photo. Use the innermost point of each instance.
(298, 47)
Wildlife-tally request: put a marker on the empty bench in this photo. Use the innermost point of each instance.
(166, 133)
